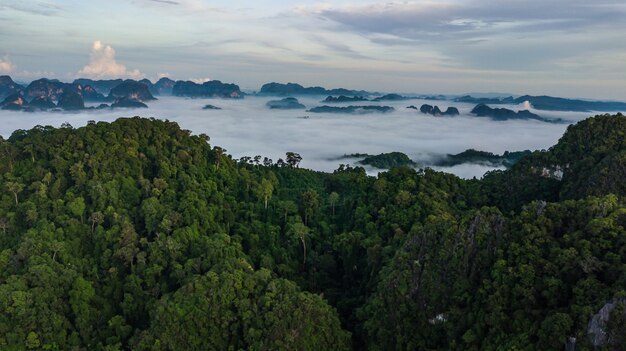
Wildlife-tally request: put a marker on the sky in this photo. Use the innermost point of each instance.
(568, 48)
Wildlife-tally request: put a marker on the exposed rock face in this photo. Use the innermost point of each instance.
(71, 101)
(213, 88)
(14, 102)
(289, 103)
(343, 98)
(90, 94)
(435, 111)
(128, 103)
(597, 329)
(351, 109)
(164, 86)
(148, 83)
(8, 87)
(53, 89)
(102, 86)
(50, 88)
(131, 90)
(42, 103)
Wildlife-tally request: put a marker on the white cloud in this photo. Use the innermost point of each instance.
(200, 80)
(102, 64)
(5, 65)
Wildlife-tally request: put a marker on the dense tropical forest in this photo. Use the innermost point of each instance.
(138, 235)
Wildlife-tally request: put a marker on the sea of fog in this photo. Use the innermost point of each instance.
(248, 128)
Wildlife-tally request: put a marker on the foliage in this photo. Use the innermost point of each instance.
(138, 235)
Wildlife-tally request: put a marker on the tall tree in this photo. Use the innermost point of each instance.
(309, 201)
(300, 231)
(293, 159)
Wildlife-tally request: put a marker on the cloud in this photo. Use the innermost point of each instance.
(247, 127)
(521, 36)
(102, 64)
(41, 8)
(200, 80)
(6, 66)
(423, 20)
(166, 2)
(337, 47)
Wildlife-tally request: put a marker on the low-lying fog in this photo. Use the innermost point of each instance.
(248, 128)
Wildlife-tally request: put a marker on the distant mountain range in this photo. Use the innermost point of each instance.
(111, 90)
(297, 89)
(549, 103)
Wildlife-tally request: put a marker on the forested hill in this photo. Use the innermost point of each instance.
(138, 235)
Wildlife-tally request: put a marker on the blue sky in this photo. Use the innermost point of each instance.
(558, 47)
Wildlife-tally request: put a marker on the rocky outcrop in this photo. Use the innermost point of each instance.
(297, 89)
(435, 111)
(343, 98)
(289, 103)
(42, 103)
(14, 102)
(485, 100)
(128, 103)
(550, 103)
(71, 101)
(50, 88)
(8, 87)
(164, 86)
(211, 107)
(103, 86)
(598, 327)
(392, 97)
(90, 94)
(213, 88)
(131, 90)
(503, 114)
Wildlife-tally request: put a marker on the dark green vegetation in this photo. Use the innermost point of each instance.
(211, 107)
(550, 103)
(560, 104)
(138, 235)
(210, 89)
(351, 109)
(507, 159)
(131, 90)
(297, 89)
(435, 111)
(343, 98)
(392, 97)
(8, 87)
(387, 160)
(289, 103)
(41, 94)
(128, 103)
